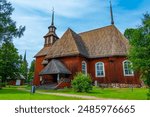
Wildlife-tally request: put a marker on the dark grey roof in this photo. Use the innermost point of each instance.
(55, 67)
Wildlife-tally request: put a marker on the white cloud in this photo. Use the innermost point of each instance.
(66, 8)
(81, 15)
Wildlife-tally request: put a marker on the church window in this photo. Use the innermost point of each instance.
(84, 67)
(127, 68)
(99, 69)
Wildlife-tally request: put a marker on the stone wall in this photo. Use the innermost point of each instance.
(118, 85)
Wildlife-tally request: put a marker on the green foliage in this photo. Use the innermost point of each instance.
(9, 61)
(8, 28)
(139, 52)
(24, 67)
(32, 66)
(82, 83)
(0, 82)
(128, 33)
(3, 84)
(31, 71)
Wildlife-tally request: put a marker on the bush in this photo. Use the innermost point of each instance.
(3, 84)
(82, 83)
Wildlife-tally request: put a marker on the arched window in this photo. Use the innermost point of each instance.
(128, 71)
(84, 67)
(99, 69)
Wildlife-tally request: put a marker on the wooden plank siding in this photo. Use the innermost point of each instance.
(38, 68)
(113, 69)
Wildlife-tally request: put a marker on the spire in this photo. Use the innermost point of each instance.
(52, 27)
(52, 24)
(111, 13)
(51, 36)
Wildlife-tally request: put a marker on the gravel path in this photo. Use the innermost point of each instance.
(69, 95)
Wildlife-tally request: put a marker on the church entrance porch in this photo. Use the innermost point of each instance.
(54, 81)
(55, 73)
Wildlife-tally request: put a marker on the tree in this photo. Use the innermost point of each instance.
(31, 71)
(9, 61)
(139, 52)
(128, 33)
(24, 66)
(82, 83)
(8, 28)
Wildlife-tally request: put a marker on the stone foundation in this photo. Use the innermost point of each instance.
(118, 85)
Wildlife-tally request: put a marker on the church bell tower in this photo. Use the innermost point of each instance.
(51, 36)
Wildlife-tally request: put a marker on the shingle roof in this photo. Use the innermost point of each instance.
(70, 44)
(50, 33)
(105, 42)
(43, 51)
(102, 42)
(55, 67)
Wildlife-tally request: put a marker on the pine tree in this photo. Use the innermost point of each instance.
(24, 67)
(31, 71)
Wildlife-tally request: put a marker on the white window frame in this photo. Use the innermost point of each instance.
(127, 69)
(97, 70)
(83, 62)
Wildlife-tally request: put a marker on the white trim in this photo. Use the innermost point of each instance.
(83, 62)
(58, 77)
(123, 64)
(96, 69)
(41, 78)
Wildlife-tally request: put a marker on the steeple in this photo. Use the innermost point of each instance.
(51, 36)
(111, 13)
(52, 22)
(52, 17)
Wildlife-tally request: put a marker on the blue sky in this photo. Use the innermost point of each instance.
(79, 15)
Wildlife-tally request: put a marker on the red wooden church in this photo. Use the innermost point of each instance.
(102, 53)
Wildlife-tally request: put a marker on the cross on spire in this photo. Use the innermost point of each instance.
(111, 13)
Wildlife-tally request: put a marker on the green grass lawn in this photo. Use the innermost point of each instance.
(13, 94)
(113, 93)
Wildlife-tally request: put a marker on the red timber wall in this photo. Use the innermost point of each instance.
(113, 71)
(72, 63)
(38, 68)
(13, 82)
